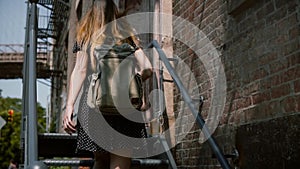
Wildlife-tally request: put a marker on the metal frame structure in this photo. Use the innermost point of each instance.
(51, 34)
(29, 122)
(37, 38)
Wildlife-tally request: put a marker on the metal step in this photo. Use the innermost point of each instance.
(59, 145)
(135, 163)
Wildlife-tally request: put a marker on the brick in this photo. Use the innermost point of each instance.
(276, 16)
(251, 88)
(264, 11)
(293, 59)
(261, 97)
(268, 57)
(259, 73)
(281, 39)
(289, 104)
(254, 112)
(280, 91)
(224, 118)
(291, 74)
(291, 47)
(292, 7)
(294, 31)
(278, 65)
(297, 86)
(272, 81)
(259, 47)
(272, 108)
(238, 117)
(297, 98)
(242, 103)
(286, 23)
(279, 3)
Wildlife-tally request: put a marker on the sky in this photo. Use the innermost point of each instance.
(12, 31)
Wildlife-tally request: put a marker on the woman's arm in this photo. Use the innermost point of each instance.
(76, 81)
(145, 67)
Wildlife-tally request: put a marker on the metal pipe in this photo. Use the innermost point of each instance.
(221, 158)
(31, 88)
(23, 142)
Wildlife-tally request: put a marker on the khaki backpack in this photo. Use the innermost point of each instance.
(114, 86)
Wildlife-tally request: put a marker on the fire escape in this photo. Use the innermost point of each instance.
(51, 36)
(52, 30)
(46, 32)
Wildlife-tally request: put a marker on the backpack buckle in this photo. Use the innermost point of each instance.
(95, 76)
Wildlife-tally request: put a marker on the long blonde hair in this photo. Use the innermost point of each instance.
(101, 22)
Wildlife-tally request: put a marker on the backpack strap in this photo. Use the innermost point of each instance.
(133, 44)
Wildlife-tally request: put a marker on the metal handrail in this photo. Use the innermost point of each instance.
(213, 144)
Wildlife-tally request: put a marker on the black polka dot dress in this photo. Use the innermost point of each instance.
(93, 136)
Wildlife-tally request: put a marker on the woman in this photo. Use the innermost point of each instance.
(95, 29)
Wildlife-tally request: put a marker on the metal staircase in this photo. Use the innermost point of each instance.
(58, 149)
(41, 150)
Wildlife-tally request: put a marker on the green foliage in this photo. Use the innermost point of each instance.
(11, 132)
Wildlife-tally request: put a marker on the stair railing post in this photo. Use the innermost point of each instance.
(23, 140)
(30, 95)
(213, 144)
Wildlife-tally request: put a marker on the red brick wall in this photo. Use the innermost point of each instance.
(259, 46)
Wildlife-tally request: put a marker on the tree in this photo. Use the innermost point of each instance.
(11, 132)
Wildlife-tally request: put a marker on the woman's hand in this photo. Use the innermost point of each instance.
(76, 81)
(68, 123)
(146, 73)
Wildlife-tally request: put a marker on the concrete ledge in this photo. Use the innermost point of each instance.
(270, 144)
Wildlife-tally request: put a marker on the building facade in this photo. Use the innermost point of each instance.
(243, 57)
(258, 45)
